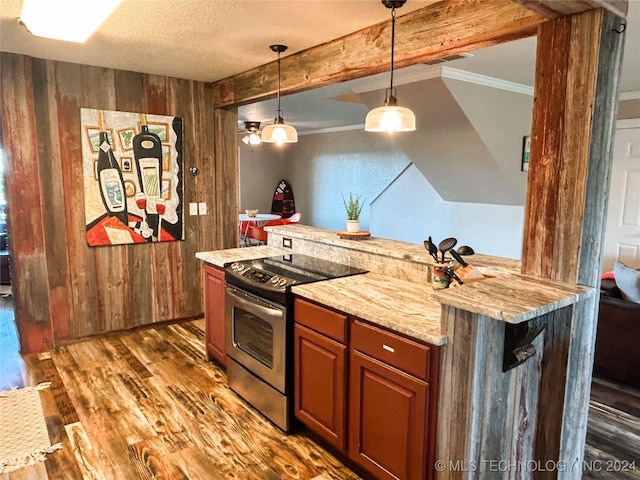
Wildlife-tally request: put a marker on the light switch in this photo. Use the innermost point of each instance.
(202, 208)
(193, 208)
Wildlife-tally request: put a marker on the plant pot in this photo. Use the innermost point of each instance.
(353, 226)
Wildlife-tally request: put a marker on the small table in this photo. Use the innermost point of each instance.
(259, 220)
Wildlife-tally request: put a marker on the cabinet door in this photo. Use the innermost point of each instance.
(387, 420)
(320, 380)
(214, 313)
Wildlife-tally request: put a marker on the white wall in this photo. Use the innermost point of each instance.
(260, 169)
(335, 164)
(489, 229)
(389, 171)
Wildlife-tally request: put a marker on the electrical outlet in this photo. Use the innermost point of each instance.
(202, 208)
(193, 208)
(287, 242)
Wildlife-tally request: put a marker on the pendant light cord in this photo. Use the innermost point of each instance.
(393, 36)
(279, 111)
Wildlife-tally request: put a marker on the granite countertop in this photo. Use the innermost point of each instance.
(413, 308)
(394, 249)
(221, 257)
(512, 298)
(399, 305)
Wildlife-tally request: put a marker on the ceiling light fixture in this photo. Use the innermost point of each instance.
(391, 118)
(252, 136)
(279, 133)
(68, 20)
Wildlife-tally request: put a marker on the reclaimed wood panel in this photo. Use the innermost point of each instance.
(568, 178)
(554, 9)
(60, 298)
(454, 411)
(485, 415)
(196, 145)
(64, 289)
(441, 29)
(20, 151)
(226, 175)
(130, 97)
(67, 89)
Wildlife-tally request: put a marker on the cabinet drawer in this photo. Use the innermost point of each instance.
(402, 353)
(322, 320)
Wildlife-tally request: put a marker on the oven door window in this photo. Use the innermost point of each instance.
(253, 335)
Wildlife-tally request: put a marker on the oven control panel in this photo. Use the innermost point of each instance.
(254, 275)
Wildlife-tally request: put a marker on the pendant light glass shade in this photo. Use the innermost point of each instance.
(279, 133)
(391, 117)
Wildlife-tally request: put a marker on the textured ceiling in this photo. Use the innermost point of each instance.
(200, 39)
(208, 40)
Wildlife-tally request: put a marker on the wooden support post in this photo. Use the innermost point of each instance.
(566, 204)
(226, 175)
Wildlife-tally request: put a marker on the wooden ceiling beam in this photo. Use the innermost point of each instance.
(554, 9)
(441, 29)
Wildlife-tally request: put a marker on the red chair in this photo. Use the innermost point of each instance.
(259, 233)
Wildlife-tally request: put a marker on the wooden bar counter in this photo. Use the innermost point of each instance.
(487, 413)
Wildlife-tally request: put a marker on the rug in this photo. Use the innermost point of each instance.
(24, 439)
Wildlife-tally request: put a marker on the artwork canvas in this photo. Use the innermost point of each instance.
(133, 190)
(526, 151)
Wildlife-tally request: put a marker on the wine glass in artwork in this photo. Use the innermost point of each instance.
(141, 203)
(160, 208)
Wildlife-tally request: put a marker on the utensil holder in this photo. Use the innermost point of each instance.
(439, 277)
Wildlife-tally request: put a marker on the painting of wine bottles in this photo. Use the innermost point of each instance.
(133, 182)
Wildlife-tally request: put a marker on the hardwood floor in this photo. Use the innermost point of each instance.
(148, 405)
(613, 432)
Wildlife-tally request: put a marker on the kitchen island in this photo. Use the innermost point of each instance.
(485, 411)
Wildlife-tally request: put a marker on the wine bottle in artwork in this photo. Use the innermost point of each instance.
(111, 181)
(147, 150)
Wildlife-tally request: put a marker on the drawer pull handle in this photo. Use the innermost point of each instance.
(388, 348)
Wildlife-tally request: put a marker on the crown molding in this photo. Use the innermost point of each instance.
(629, 96)
(628, 123)
(478, 79)
(424, 72)
(342, 128)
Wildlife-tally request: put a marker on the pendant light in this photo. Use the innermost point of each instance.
(279, 133)
(252, 137)
(391, 118)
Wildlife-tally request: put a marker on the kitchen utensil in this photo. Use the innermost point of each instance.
(431, 248)
(446, 245)
(465, 250)
(449, 271)
(456, 256)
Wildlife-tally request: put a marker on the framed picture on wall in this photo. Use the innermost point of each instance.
(526, 150)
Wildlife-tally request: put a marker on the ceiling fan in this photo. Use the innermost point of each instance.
(251, 133)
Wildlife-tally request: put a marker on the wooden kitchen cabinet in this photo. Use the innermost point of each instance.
(392, 403)
(214, 314)
(320, 374)
(371, 394)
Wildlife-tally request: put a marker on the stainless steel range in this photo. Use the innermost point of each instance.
(259, 327)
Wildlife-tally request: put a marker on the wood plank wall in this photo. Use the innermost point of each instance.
(570, 163)
(64, 289)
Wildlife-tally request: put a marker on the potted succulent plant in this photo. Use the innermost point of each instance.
(353, 206)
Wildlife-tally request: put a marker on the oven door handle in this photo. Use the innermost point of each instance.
(249, 299)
